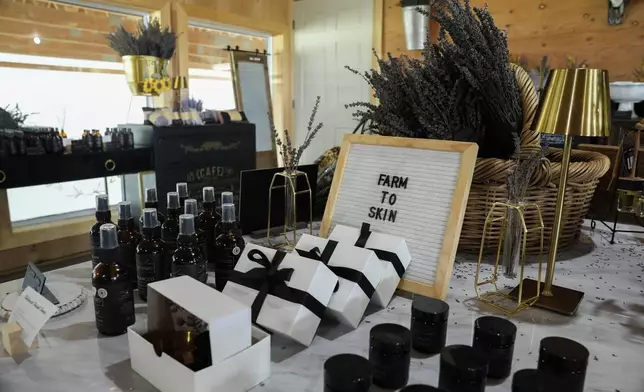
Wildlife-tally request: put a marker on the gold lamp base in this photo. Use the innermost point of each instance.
(563, 300)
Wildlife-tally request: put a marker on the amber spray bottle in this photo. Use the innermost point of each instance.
(170, 228)
(129, 238)
(187, 259)
(152, 259)
(103, 216)
(228, 246)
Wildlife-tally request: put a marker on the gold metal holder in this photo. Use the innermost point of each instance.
(290, 178)
(496, 298)
(628, 200)
(146, 75)
(180, 82)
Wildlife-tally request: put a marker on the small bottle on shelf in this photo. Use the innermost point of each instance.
(152, 258)
(103, 216)
(129, 238)
(113, 295)
(191, 208)
(170, 228)
(228, 246)
(187, 259)
(208, 220)
(182, 190)
(152, 201)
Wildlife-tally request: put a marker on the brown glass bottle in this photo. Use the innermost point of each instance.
(129, 238)
(103, 216)
(152, 201)
(113, 294)
(182, 190)
(187, 259)
(228, 246)
(170, 228)
(152, 258)
(208, 220)
(192, 209)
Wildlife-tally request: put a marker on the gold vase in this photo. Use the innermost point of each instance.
(505, 213)
(146, 75)
(291, 191)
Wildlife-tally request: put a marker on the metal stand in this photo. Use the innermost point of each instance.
(614, 191)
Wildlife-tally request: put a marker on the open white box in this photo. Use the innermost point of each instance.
(381, 242)
(239, 362)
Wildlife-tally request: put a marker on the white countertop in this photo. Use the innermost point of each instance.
(610, 323)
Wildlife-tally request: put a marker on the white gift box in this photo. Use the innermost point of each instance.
(240, 353)
(309, 280)
(359, 272)
(392, 252)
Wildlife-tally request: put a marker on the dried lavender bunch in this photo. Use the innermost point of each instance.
(290, 154)
(520, 176)
(462, 89)
(150, 39)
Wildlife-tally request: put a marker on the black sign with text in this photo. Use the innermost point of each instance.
(212, 155)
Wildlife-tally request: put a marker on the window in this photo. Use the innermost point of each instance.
(57, 66)
(210, 78)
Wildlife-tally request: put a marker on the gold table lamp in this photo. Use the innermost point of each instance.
(575, 102)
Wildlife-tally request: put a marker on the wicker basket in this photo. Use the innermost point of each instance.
(489, 185)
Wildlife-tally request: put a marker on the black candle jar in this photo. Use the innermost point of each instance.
(347, 373)
(495, 337)
(389, 354)
(421, 388)
(428, 324)
(564, 361)
(462, 369)
(529, 380)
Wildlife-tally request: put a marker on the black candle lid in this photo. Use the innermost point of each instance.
(494, 331)
(529, 380)
(562, 354)
(421, 388)
(390, 338)
(430, 310)
(413, 3)
(465, 362)
(347, 373)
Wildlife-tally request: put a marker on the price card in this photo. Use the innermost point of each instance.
(31, 312)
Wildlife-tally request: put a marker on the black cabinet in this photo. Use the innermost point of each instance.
(212, 155)
(20, 171)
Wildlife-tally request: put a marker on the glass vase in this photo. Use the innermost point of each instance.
(290, 206)
(286, 182)
(511, 254)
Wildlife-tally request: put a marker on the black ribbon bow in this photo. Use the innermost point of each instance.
(365, 232)
(268, 279)
(341, 272)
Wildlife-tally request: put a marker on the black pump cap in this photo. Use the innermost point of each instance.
(390, 339)
(109, 239)
(464, 362)
(421, 388)
(151, 195)
(562, 355)
(150, 219)
(494, 331)
(430, 310)
(102, 203)
(529, 380)
(347, 373)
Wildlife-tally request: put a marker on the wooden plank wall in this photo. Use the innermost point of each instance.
(553, 28)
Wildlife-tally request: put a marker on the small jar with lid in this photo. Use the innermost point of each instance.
(428, 324)
(347, 373)
(564, 362)
(421, 388)
(390, 355)
(462, 369)
(495, 337)
(529, 380)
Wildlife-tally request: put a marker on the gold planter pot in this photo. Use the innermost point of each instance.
(146, 75)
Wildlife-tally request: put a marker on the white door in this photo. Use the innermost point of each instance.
(329, 35)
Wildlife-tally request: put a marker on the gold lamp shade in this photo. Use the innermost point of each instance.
(575, 102)
(180, 82)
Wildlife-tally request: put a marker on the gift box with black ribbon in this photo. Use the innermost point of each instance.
(392, 252)
(288, 294)
(358, 269)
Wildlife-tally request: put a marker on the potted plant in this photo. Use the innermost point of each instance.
(145, 54)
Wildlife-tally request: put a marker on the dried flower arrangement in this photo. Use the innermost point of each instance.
(12, 118)
(149, 40)
(463, 88)
(574, 63)
(290, 154)
(521, 60)
(520, 176)
(543, 69)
